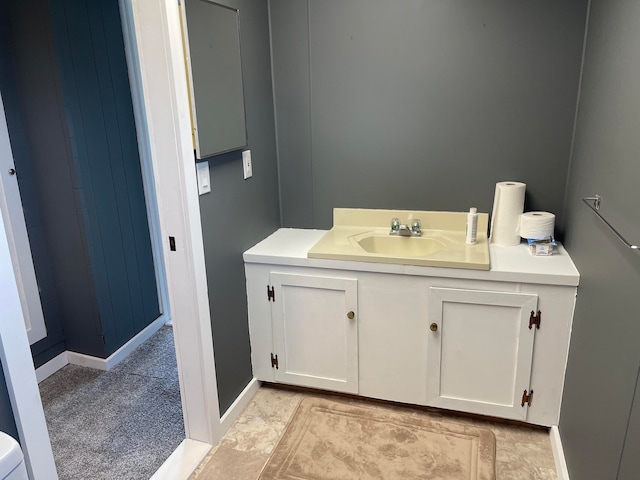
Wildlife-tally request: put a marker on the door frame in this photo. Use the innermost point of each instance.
(153, 45)
(154, 48)
(17, 365)
(15, 229)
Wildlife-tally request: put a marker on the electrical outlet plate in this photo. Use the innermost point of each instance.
(246, 164)
(204, 179)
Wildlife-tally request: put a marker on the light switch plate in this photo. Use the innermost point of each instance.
(204, 179)
(246, 164)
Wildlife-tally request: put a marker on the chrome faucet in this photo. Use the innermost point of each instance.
(403, 230)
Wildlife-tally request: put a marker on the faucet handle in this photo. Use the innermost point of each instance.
(395, 224)
(416, 225)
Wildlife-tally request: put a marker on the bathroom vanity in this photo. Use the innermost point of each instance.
(489, 342)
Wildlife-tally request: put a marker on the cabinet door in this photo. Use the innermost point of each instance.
(314, 337)
(480, 354)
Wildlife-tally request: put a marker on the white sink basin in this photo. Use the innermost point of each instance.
(400, 246)
(362, 235)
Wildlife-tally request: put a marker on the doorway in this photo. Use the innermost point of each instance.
(97, 279)
(151, 29)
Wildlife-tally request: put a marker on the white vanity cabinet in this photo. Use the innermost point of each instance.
(480, 351)
(315, 334)
(303, 326)
(442, 337)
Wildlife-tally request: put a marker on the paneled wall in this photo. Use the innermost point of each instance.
(99, 112)
(42, 155)
(422, 104)
(68, 105)
(598, 427)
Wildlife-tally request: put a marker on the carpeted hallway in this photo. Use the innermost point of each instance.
(121, 424)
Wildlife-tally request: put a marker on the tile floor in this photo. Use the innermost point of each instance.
(522, 453)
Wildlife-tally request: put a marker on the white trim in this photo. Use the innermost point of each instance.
(558, 454)
(183, 461)
(146, 167)
(19, 372)
(88, 361)
(153, 37)
(238, 406)
(142, 336)
(188, 456)
(52, 366)
(116, 357)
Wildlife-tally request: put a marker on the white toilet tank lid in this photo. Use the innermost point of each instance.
(10, 454)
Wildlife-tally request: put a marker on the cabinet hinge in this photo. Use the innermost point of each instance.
(535, 319)
(271, 293)
(274, 361)
(527, 398)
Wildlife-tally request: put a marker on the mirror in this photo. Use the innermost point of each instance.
(212, 50)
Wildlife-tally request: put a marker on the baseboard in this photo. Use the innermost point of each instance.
(183, 461)
(186, 458)
(237, 407)
(120, 354)
(558, 454)
(88, 361)
(52, 366)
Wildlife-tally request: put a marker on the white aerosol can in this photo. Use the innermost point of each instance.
(472, 226)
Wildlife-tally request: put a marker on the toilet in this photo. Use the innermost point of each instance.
(11, 460)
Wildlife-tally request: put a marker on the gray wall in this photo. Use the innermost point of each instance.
(630, 460)
(604, 357)
(239, 213)
(422, 104)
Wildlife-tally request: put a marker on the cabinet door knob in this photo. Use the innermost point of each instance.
(433, 327)
(12, 171)
(351, 315)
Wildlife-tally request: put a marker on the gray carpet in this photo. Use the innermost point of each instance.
(121, 424)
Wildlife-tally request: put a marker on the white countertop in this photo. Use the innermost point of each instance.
(289, 246)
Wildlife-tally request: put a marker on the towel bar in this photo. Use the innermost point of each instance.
(594, 204)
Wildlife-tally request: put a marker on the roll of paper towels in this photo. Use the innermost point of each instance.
(508, 205)
(537, 225)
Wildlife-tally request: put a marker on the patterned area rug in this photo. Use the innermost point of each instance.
(329, 440)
